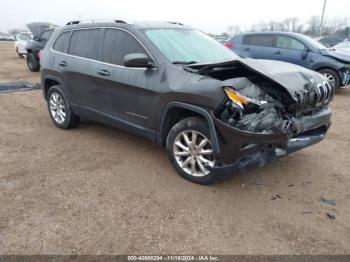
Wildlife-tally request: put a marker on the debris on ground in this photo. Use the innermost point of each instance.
(332, 202)
(18, 86)
(259, 184)
(291, 185)
(276, 197)
(331, 215)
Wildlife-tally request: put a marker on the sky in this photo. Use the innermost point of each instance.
(209, 16)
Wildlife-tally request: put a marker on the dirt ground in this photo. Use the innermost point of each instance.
(100, 190)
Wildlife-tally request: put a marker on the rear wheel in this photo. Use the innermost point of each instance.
(59, 109)
(32, 63)
(190, 150)
(19, 55)
(332, 76)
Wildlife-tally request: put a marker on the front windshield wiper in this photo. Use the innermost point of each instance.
(184, 62)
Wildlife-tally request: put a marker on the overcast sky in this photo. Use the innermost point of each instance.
(210, 16)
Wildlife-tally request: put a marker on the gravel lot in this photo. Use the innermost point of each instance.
(100, 190)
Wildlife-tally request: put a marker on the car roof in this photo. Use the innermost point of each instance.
(122, 24)
(274, 33)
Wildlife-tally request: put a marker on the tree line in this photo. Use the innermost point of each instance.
(332, 26)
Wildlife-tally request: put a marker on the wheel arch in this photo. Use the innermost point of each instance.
(168, 120)
(48, 82)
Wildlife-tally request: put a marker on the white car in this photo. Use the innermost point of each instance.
(343, 45)
(21, 40)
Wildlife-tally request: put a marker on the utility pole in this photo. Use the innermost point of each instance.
(322, 17)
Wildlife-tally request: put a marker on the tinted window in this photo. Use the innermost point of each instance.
(289, 43)
(85, 43)
(259, 40)
(61, 42)
(117, 44)
(46, 35)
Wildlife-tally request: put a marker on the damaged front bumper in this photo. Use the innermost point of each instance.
(242, 149)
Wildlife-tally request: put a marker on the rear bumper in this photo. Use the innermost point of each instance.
(240, 149)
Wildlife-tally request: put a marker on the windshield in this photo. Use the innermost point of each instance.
(186, 46)
(343, 45)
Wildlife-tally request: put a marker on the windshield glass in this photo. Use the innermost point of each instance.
(186, 46)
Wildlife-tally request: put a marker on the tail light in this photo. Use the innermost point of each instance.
(229, 45)
(41, 54)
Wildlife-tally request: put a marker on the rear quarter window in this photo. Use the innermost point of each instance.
(258, 40)
(61, 42)
(86, 43)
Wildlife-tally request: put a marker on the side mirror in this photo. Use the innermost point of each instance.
(36, 38)
(304, 53)
(138, 60)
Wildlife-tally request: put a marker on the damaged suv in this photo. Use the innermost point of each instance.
(216, 113)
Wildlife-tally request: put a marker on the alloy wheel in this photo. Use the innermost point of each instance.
(330, 78)
(57, 108)
(193, 153)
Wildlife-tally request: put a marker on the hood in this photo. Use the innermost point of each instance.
(290, 77)
(338, 54)
(37, 28)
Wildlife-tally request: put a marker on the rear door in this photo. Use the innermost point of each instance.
(258, 46)
(81, 68)
(290, 50)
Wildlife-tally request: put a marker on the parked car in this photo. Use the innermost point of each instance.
(21, 41)
(41, 34)
(6, 38)
(213, 111)
(297, 49)
(328, 41)
(343, 46)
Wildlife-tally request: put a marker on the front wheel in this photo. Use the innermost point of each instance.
(332, 76)
(190, 150)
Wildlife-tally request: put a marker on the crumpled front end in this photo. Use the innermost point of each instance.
(253, 132)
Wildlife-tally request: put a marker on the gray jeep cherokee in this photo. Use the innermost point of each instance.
(215, 112)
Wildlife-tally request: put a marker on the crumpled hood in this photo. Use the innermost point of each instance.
(37, 28)
(292, 77)
(339, 54)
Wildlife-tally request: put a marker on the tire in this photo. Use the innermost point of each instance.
(332, 76)
(19, 55)
(32, 63)
(183, 160)
(59, 109)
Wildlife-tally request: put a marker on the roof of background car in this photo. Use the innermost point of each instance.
(273, 33)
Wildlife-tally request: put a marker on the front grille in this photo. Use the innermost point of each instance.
(309, 99)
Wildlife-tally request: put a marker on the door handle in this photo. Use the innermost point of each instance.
(63, 63)
(103, 72)
(247, 49)
(277, 53)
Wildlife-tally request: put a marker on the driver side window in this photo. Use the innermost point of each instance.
(117, 44)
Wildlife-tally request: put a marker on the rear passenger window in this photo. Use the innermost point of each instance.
(61, 42)
(258, 40)
(289, 43)
(85, 43)
(117, 44)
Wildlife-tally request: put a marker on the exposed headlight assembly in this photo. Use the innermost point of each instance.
(241, 100)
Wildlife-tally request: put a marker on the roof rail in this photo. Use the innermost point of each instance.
(94, 21)
(175, 23)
